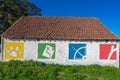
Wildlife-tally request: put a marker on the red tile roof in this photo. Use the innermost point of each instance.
(59, 28)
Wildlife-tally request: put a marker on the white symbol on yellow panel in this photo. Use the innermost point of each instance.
(14, 50)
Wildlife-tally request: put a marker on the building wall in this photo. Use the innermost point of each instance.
(63, 52)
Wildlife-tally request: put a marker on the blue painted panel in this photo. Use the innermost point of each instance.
(77, 51)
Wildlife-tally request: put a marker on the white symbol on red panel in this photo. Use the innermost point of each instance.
(108, 51)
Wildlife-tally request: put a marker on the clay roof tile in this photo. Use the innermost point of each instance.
(64, 28)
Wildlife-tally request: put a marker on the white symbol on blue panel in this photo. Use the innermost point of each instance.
(77, 51)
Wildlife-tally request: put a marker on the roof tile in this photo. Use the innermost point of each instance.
(64, 28)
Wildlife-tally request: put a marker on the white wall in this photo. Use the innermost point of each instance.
(62, 52)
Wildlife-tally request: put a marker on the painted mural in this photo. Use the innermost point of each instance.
(14, 50)
(46, 50)
(77, 51)
(66, 53)
(108, 51)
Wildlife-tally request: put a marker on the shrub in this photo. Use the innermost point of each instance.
(33, 70)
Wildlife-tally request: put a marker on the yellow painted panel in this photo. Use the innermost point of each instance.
(14, 50)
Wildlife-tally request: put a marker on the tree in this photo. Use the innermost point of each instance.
(11, 10)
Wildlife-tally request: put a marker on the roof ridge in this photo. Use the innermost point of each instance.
(65, 16)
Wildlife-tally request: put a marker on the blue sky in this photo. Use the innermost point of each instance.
(108, 11)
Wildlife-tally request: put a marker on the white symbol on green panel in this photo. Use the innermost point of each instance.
(46, 50)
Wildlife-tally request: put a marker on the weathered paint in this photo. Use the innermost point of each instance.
(14, 50)
(70, 52)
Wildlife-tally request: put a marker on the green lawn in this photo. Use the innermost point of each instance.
(30, 70)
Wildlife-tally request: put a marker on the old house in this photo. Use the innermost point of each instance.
(61, 40)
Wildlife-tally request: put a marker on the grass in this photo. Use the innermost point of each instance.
(31, 70)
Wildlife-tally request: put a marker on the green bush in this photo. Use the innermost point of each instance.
(33, 70)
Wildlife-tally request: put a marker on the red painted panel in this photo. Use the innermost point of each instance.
(108, 51)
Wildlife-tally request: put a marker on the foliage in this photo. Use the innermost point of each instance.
(32, 70)
(11, 10)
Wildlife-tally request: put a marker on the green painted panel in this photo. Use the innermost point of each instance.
(46, 50)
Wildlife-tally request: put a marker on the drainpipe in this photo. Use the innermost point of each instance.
(119, 53)
(2, 47)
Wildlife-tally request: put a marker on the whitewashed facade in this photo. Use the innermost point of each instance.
(65, 52)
